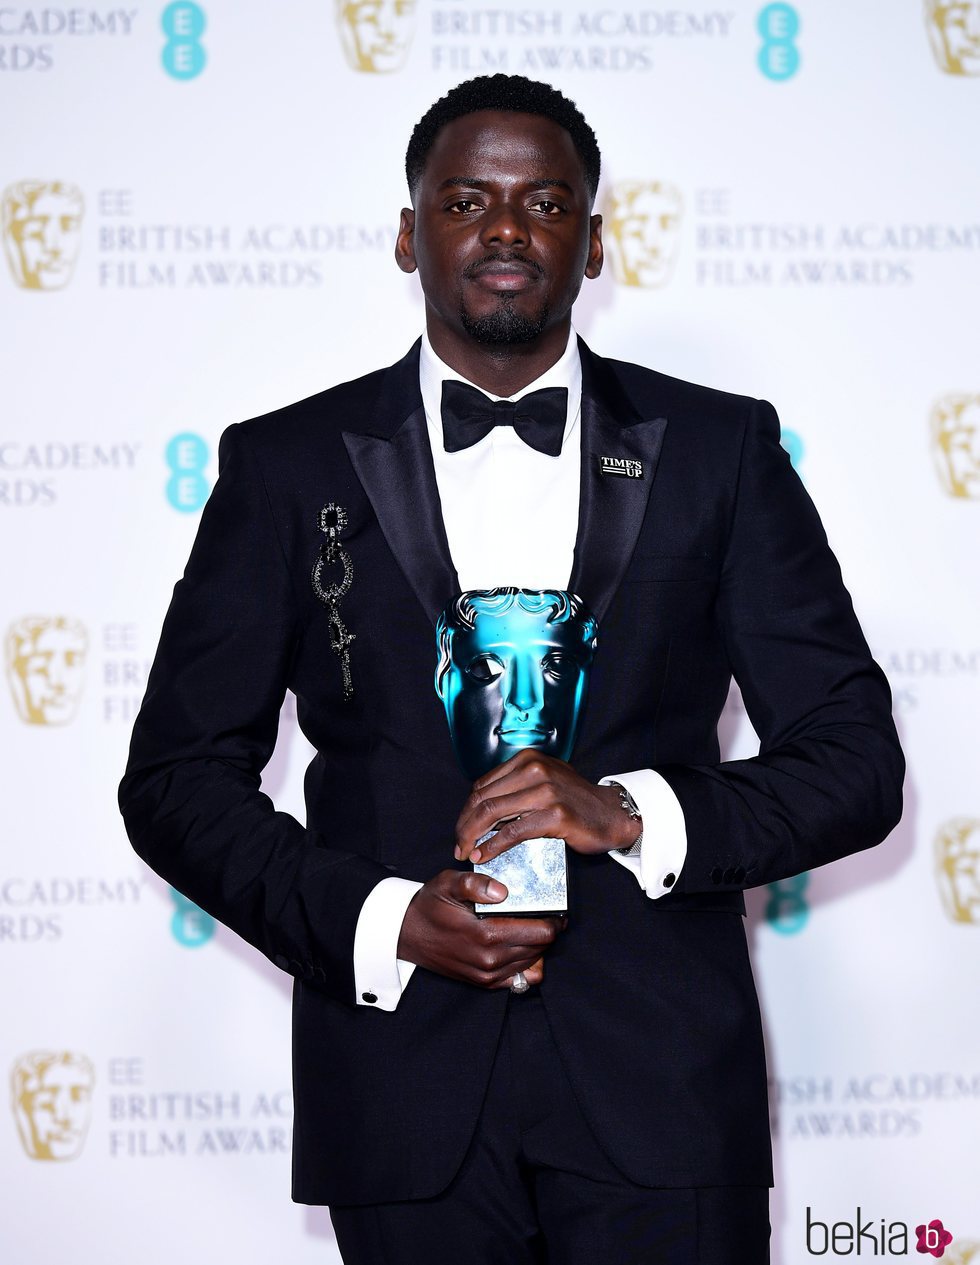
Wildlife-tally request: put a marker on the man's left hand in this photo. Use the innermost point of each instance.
(535, 796)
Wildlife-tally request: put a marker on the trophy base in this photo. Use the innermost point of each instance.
(535, 876)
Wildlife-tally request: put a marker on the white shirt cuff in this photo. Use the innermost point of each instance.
(664, 848)
(380, 975)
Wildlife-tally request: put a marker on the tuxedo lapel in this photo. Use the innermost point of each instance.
(395, 468)
(612, 506)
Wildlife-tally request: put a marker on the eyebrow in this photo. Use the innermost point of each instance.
(474, 182)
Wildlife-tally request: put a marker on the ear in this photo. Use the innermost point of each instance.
(594, 263)
(405, 241)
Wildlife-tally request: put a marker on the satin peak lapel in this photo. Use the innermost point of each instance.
(612, 508)
(396, 472)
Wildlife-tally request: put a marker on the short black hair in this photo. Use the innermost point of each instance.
(502, 92)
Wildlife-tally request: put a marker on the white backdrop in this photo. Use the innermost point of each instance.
(198, 216)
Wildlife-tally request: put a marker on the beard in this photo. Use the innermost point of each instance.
(505, 327)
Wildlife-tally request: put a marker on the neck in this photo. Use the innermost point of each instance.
(500, 370)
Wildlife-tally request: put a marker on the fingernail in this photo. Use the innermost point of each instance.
(457, 852)
(475, 855)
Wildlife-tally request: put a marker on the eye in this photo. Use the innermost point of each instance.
(557, 665)
(484, 669)
(547, 207)
(463, 206)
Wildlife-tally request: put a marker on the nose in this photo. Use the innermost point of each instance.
(504, 225)
(52, 235)
(524, 692)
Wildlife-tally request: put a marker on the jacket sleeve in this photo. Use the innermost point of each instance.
(191, 795)
(828, 778)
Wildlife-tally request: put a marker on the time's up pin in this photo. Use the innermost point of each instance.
(622, 467)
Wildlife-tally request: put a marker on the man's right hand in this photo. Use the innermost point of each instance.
(441, 932)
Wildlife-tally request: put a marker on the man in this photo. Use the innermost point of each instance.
(513, 1090)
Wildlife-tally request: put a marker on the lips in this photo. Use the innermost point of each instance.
(505, 273)
(524, 737)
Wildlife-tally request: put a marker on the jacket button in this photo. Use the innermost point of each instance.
(370, 998)
(669, 879)
(739, 875)
(715, 875)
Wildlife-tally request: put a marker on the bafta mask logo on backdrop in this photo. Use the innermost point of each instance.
(955, 425)
(954, 33)
(963, 1252)
(642, 231)
(376, 35)
(957, 854)
(42, 232)
(51, 1098)
(45, 661)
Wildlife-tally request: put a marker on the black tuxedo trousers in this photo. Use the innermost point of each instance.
(712, 564)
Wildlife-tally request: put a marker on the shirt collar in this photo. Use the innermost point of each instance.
(565, 372)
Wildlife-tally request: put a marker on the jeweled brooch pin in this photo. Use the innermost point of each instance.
(333, 520)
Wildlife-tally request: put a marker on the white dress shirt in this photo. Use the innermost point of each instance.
(511, 517)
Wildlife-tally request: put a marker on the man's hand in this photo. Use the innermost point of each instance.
(442, 933)
(535, 796)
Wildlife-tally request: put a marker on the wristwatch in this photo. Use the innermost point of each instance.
(628, 804)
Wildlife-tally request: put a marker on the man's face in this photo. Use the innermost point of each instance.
(43, 237)
(376, 34)
(501, 232)
(57, 1112)
(644, 226)
(954, 32)
(47, 671)
(516, 681)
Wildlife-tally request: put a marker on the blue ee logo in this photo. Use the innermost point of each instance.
(190, 925)
(183, 24)
(187, 488)
(787, 910)
(779, 25)
(793, 443)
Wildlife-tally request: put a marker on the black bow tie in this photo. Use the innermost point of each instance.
(468, 416)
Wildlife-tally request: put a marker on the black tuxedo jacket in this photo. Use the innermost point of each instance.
(713, 564)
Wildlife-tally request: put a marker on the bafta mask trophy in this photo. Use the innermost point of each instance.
(513, 673)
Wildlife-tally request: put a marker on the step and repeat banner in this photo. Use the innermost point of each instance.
(198, 204)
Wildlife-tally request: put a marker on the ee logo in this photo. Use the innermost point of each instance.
(779, 25)
(786, 909)
(190, 925)
(183, 24)
(187, 488)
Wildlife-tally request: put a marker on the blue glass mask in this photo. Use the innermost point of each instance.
(513, 672)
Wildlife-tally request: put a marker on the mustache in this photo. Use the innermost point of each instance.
(503, 257)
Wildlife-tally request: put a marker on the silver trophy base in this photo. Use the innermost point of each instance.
(535, 875)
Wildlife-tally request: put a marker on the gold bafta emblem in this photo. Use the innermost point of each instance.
(45, 659)
(42, 232)
(958, 869)
(954, 33)
(51, 1096)
(955, 426)
(376, 34)
(642, 222)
